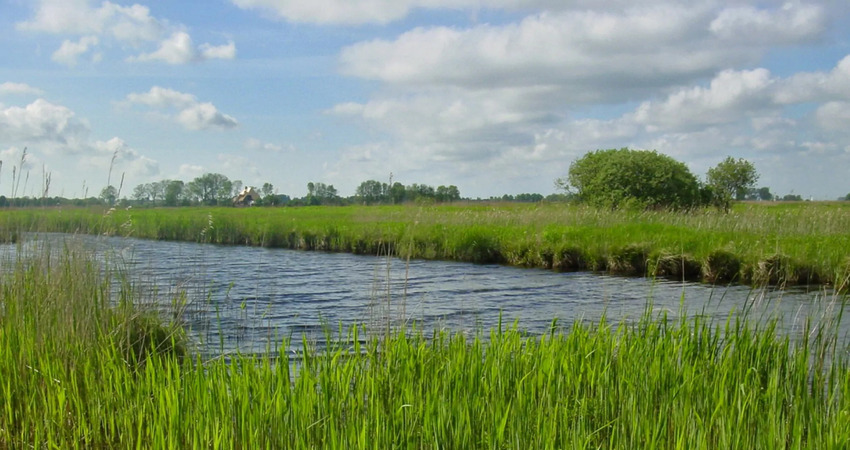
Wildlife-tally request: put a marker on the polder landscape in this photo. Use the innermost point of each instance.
(85, 361)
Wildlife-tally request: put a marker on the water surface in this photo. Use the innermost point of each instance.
(247, 298)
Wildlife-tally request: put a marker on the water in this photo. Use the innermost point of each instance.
(248, 298)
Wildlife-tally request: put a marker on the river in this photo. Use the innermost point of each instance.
(248, 298)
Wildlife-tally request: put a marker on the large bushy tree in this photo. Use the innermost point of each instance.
(634, 178)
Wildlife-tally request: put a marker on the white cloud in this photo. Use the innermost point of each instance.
(130, 25)
(126, 160)
(730, 95)
(834, 116)
(44, 122)
(203, 116)
(794, 22)
(227, 51)
(177, 49)
(163, 97)
(68, 53)
(191, 113)
(10, 88)
(587, 56)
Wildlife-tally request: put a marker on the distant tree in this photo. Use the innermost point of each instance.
(372, 191)
(397, 193)
(730, 180)
(141, 193)
(446, 194)
(792, 198)
(173, 192)
(529, 198)
(108, 195)
(847, 197)
(764, 193)
(269, 197)
(625, 177)
(210, 189)
(321, 194)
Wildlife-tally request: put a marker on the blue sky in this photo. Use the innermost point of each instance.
(494, 96)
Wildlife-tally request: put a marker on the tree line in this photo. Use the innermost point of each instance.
(217, 189)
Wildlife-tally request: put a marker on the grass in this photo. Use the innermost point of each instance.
(757, 243)
(73, 376)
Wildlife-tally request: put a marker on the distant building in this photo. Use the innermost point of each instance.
(247, 197)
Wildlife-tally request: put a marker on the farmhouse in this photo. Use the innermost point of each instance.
(247, 197)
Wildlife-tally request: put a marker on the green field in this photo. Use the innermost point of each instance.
(805, 243)
(83, 366)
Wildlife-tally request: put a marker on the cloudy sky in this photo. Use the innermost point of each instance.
(494, 96)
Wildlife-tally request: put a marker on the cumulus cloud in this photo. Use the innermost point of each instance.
(179, 49)
(190, 113)
(131, 25)
(792, 23)
(10, 88)
(204, 115)
(70, 51)
(730, 95)
(44, 122)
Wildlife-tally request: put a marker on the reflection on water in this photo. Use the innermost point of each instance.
(248, 298)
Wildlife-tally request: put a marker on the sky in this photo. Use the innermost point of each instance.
(493, 96)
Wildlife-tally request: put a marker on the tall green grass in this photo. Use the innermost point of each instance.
(71, 377)
(757, 244)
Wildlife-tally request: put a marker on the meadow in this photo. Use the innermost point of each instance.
(83, 364)
(786, 244)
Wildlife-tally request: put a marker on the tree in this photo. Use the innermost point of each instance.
(447, 194)
(372, 191)
(109, 194)
(210, 188)
(730, 180)
(321, 194)
(631, 178)
(141, 193)
(397, 193)
(173, 192)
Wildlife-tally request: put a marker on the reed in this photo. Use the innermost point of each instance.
(797, 244)
(71, 379)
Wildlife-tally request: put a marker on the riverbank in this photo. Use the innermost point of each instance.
(756, 244)
(83, 366)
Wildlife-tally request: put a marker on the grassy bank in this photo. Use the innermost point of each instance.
(80, 368)
(782, 244)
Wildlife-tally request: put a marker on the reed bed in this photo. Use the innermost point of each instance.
(758, 244)
(82, 367)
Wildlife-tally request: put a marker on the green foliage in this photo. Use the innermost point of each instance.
(173, 192)
(730, 180)
(109, 194)
(210, 189)
(632, 178)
